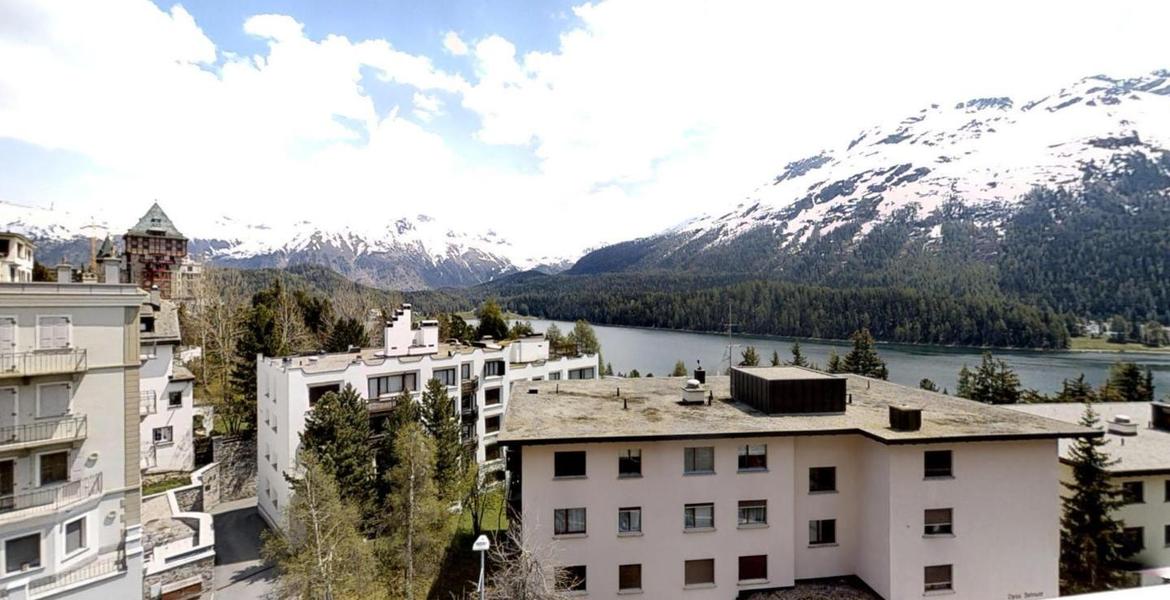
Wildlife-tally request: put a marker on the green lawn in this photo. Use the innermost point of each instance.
(159, 487)
(1103, 345)
(460, 567)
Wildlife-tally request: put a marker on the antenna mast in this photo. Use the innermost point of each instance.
(730, 346)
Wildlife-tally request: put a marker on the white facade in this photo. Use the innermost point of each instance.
(69, 483)
(478, 378)
(16, 258)
(167, 404)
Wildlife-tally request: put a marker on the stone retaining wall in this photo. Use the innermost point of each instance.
(236, 456)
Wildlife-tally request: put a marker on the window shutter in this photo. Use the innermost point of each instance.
(54, 400)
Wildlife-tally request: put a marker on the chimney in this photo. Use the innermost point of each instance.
(111, 270)
(905, 418)
(155, 295)
(64, 273)
(700, 374)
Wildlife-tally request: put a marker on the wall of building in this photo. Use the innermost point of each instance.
(155, 376)
(1152, 515)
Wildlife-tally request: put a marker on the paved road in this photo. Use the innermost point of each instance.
(240, 574)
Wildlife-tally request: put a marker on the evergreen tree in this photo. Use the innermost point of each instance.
(1077, 390)
(583, 338)
(419, 523)
(634, 374)
(491, 321)
(680, 369)
(775, 360)
(928, 385)
(404, 412)
(1153, 334)
(337, 433)
(966, 384)
(1128, 383)
(994, 382)
(453, 327)
(836, 365)
(347, 332)
(438, 416)
(749, 357)
(609, 369)
(520, 329)
(1092, 542)
(1118, 329)
(863, 359)
(553, 335)
(798, 358)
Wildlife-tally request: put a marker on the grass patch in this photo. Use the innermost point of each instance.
(170, 483)
(495, 518)
(1104, 345)
(460, 569)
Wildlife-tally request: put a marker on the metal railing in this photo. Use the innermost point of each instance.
(105, 564)
(72, 428)
(148, 403)
(42, 362)
(51, 498)
(469, 385)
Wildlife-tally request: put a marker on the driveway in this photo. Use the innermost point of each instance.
(240, 574)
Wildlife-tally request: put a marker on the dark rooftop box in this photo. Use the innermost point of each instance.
(788, 390)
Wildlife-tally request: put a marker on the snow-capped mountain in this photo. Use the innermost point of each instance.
(409, 253)
(983, 154)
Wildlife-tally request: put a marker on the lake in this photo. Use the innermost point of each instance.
(656, 350)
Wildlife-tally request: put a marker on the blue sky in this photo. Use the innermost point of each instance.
(560, 125)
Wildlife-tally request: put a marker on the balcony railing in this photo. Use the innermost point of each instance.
(42, 362)
(49, 499)
(469, 386)
(59, 430)
(105, 564)
(148, 403)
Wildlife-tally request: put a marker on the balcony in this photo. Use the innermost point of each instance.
(15, 507)
(105, 564)
(148, 403)
(469, 386)
(470, 414)
(29, 435)
(42, 362)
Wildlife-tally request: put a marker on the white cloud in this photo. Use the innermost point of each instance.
(426, 107)
(454, 44)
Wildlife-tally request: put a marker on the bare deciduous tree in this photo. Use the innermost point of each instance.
(215, 311)
(524, 570)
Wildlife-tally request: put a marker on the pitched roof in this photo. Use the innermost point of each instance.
(155, 222)
(107, 248)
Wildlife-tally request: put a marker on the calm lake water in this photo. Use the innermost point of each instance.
(656, 350)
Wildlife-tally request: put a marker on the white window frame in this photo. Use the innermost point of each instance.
(40, 552)
(84, 537)
(695, 526)
(454, 376)
(68, 403)
(69, 320)
(629, 509)
(37, 465)
(15, 331)
(162, 443)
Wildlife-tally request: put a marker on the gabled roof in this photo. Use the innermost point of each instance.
(155, 222)
(107, 249)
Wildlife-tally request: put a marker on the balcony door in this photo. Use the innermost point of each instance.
(7, 414)
(7, 484)
(7, 335)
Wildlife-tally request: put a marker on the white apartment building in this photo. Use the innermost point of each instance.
(478, 378)
(69, 479)
(779, 478)
(1139, 440)
(167, 404)
(16, 258)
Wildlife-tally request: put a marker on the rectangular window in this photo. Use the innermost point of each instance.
(1166, 492)
(174, 399)
(491, 452)
(164, 435)
(493, 368)
(699, 516)
(822, 479)
(753, 568)
(22, 553)
(569, 464)
(75, 536)
(753, 512)
(938, 578)
(54, 468)
(1166, 536)
(630, 520)
(699, 460)
(937, 463)
(465, 371)
(753, 457)
(938, 521)
(571, 579)
(568, 521)
(822, 531)
(52, 333)
(629, 577)
(387, 385)
(1133, 492)
(1133, 539)
(630, 463)
(586, 373)
(492, 397)
(53, 399)
(445, 376)
(316, 392)
(491, 424)
(554, 376)
(699, 572)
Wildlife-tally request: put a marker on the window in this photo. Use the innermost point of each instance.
(465, 371)
(569, 464)
(699, 460)
(937, 463)
(491, 397)
(822, 531)
(571, 579)
(699, 516)
(52, 333)
(53, 399)
(1133, 539)
(568, 521)
(1167, 491)
(316, 392)
(1166, 536)
(392, 384)
(554, 376)
(822, 479)
(22, 553)
(75, 536)
(491, 452)
(753, 512)
(630, 463)
(753, 458)
(586, 373)
(54, 468)
(491, 424)
(629, 577)
(445, 376)
(938, 578)
(1133, 492)
(938, 521)
(174, 399)
(753, 568)
(630, 520)
(493, 368)
(699, 572)
(164, 435)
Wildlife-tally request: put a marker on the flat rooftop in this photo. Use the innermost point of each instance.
(566, 411)
(339, 361)
(1146, 452)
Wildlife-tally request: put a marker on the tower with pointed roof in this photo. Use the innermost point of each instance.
(154, 249)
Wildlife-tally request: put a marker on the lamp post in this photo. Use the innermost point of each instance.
(481, 545)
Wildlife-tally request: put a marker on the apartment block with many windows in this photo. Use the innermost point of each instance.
(69, 479)
(775, 477)
(478, 379)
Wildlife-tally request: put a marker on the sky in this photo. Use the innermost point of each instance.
(560, 125)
